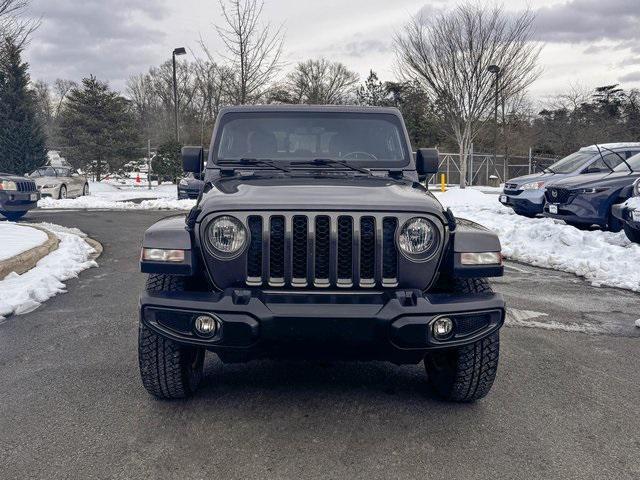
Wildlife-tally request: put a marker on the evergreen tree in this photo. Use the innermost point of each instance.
(22, 140)
(97, 128)
(373, 92)
(168, 160)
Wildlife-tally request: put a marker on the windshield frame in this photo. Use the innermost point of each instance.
(407, 164)
(46, 168)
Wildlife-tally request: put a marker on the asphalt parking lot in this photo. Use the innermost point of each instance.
(565, 404)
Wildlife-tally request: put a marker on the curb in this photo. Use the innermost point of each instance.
(27, 260)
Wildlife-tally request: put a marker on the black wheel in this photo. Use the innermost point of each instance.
(85, 190)
(62, 194)
(168, 370)
(14, 216)
(614, 224)
(526, 214)
(632, 233)
(465, 374)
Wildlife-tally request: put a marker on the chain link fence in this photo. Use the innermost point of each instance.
(485, 169)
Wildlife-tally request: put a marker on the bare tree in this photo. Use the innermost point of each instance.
(14, 21)
(253, 49)
(61, 88)
(450, 55)
(322, 82)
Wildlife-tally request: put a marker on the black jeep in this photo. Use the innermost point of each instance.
(315, 238)
(18, 195)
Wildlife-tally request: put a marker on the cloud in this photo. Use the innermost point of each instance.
(630, 77)
(109, 39)
(579, 21)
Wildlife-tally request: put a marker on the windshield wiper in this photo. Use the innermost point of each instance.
(329, 161)
(252, 162)
(620, 156)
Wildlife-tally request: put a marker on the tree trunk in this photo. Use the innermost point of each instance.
(463, 163)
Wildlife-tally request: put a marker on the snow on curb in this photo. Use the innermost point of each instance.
(16, 239)
(94, 203)
(602, 258)
(20, 294)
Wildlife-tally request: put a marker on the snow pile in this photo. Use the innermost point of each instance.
(16, 239)
(108, 191)
(602, 258)
(97, 203)
(633, 202)
(20, 294)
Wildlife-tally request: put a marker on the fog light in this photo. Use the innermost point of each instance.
(442, 327)
(207, 326)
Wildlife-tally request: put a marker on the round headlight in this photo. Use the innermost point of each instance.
(227, 235)
(417, 237)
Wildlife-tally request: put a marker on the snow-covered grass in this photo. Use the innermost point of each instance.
(20, 294)
(602, 258)
(16, 239)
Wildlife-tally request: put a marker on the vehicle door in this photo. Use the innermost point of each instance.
(78, 183)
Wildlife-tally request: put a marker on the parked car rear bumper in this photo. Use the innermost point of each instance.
(393, 326)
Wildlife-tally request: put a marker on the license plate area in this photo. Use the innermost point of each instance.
(503, 199)
(33, 197)
(635, 215)
(553, 209)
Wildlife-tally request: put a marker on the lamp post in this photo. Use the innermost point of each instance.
(176, 52)
(495, 70)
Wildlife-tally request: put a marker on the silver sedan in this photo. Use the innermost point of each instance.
(60, 182)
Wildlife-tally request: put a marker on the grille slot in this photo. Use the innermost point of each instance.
(558, 195)
(322, 250)
(26, 186)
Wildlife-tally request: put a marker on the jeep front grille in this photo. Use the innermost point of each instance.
(26, 186)
(322, 250)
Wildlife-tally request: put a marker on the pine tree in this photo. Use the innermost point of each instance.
(22, 139)
(97, 128)
(373, 92)
(168, 160)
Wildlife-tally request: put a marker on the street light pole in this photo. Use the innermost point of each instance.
(176, 52)
(495, 69)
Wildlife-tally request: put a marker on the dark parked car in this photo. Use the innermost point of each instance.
(587, 200)
(629, 213)
(18, 195)
(526, 194)
(316, 238)
(190, 186)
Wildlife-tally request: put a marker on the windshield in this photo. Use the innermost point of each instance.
(571, 163)
(44, 172)
(634, 163)
(371, 140)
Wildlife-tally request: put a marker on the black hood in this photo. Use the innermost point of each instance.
(318, 192)
(596, 180)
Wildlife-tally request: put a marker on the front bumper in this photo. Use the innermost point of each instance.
(625, 214)
(393, 326)
(529, 202)
(580, 210)
(18, 201)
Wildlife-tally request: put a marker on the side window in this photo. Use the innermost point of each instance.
(631, 153)
(606, 162)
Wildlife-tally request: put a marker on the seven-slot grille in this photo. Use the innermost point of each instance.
(322, 250)
(26, 186)
(558, 195)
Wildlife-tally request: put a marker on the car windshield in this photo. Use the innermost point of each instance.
(44, 172)
(365, 139)
(634, 163)
(571, 163)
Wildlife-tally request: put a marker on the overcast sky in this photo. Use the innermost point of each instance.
(587, 42)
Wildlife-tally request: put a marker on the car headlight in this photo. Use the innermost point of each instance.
(184, 182)
(532, 186)
(49, 185)
(227, 236)
(8, 185)
(418, 238)
(636, 188)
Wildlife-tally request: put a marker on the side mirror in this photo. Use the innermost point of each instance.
(193, 159)
(427, 162)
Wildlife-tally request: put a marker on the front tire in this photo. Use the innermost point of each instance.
(632, 233)
(85, 190)
(62, 194)
(465, 374)
(168, 370)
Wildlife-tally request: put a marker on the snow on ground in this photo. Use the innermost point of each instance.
(20, 294)
(633, 202)
(602, 258)
(107, 196)
(16, 239)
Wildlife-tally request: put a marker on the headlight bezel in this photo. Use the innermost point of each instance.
(636, 188)
(220, 254)
(532, 186)
(428, 253)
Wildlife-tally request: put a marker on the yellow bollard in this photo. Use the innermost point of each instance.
(443, 183)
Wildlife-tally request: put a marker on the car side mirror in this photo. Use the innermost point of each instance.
(427, 162)
(193, 159)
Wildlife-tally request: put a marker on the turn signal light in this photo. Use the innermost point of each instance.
(161, 255)
(481, 258)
